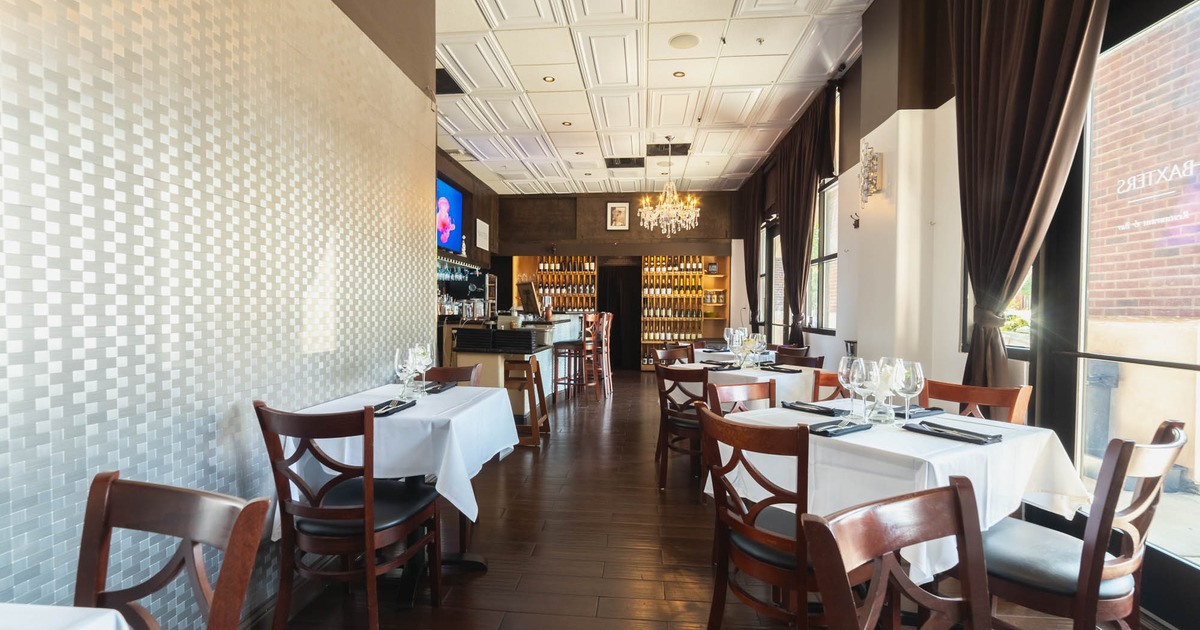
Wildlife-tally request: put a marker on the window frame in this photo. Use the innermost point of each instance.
(818, 260)
(1017, 353)
(768, 231)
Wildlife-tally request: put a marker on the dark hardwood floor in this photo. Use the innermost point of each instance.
(577, 537)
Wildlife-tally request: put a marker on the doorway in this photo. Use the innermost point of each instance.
(618, 291)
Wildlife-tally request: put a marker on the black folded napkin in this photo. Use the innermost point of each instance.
(919, 412)
(441, 387)
(715, 362)
(721, 367)
(952, 433)
(834, 428)
(780, 368)
(816, 409)
(386, 407)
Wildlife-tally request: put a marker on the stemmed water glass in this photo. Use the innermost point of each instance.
(728, 339)
(760, 345)
(845, 367)
(421, 359)
(864, 378)
(404, 374)
(909, 382)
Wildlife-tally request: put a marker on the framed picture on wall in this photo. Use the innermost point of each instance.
(618, 216)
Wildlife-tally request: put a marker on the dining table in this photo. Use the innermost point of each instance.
(791, 382)
(1026, 464)
(50, 617)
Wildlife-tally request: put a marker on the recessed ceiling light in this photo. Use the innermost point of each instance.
(684, 41)
(567, 123)
(579, 153)
(679, 73)
(548, 79)
(587, 174)
(664, 172)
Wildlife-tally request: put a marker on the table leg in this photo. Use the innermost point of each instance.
(462, 558)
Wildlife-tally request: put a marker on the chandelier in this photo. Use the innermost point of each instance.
(673, 212)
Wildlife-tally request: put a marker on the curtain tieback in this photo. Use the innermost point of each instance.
(987, 319)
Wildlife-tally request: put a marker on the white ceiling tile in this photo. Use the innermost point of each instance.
(748, 70)
(622, 144)
(779, 36)
(658, 135)
(559, 186)
(716, 141)
(566, 77)
(458, 114)
(697, 72)
(846, 6)
(700, 184)
(482, 171)
(485, 146)
(527, 187)
(532, 146)
(579, 174)
(568, 142)
(705, 165)
(709, 34)
(731, 182)
(508, 112)
(617, 109)
(560, 102)
(547, 170)
(579, 122)
(826, 45)
(610, 55)
(674, 107)
(537, 46)
(627, 185)
(743, 164)
(688, 10)
(586, 165)
(657, 166)
(510, 170)
(475, 62)
(459, 16)
(785, 102)
(602, 11)
(730, 105)
(505, 14)
(760, 139)
(448, 144)
(593, 185)
(759, 8)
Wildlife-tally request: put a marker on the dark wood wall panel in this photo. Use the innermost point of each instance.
(404, 31)
(480, 202)
(850, 117)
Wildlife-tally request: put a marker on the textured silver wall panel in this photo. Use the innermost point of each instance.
(203, 202)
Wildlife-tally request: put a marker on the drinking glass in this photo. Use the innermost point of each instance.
(423, 360)
(728, 339)
(844, 371)
(403, 374)
(887, 370)
(760, 345)
(864, 378)
(910, 380)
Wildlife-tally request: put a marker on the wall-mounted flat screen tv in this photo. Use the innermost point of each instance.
(449, 217)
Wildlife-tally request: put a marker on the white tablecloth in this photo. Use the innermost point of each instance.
(788, 387)
(31, 616)
(1030, 463)
(703, 354)
(451, 435)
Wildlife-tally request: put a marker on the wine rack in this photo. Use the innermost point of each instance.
(673, 307)
(570, 281)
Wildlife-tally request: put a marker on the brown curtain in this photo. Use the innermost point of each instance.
(750, 211)
(1023, 74)
(804, 157)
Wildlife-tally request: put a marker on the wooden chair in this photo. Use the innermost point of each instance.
(579, 355)
(1054, 573)
(678, 424)
(672, 355)
(827, 379)
(873, 534)
(1015, 399)
(802, 361)
(526, 377)
(795, 351)
(469, 374)
(603, 354)
(196, 518)
(759, 539)
(737, 395)
(351, 514)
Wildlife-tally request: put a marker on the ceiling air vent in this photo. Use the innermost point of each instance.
(678, 148)
(625, 162)
(446, 84)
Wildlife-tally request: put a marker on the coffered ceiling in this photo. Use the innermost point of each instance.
(553, 87)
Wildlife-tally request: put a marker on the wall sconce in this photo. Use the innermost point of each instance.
(868, 173)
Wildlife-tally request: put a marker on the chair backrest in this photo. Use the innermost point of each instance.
(875, 533)
(733, 510)
(802, 361)
(527, 376)
(1148, 464)
(456, 374)
(795, 351)
(827, 379)
(674, 354)
(1015, 399)
(737, 395)
(679, 389)
(591, 323)
(297, 496)
(604, 332)
(196, 518)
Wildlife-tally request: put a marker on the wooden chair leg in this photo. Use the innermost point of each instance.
(435, 563)
(287, 575)
(372, 584)
(716, 611)
(662, 461)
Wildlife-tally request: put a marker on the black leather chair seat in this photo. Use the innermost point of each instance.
(684, 422)
(395, 502)
(1042, 558)
(774, 520)
(570, 343)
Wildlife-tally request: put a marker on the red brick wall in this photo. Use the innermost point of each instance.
(1144, 232)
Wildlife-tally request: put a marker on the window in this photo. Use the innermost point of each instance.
(770, 284)
(1017, 317)
(820, 305)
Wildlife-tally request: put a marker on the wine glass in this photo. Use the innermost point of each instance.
(728, 338)
(864, 378)
(422, 361)
(887, 373)
(910, 380)
(403, 374)
(844, 378)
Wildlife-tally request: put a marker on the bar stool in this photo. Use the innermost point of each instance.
(605, 354)
(526, 377)
(576, 354)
